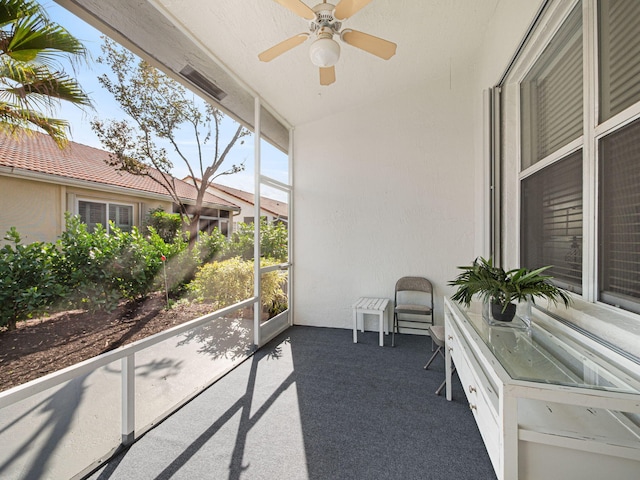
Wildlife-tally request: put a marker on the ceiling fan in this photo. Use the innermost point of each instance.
(325, 21)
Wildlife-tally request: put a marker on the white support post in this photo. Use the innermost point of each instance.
(128, 399)
(290, 225)
(256, 224)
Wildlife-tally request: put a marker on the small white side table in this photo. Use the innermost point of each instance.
(372, 306)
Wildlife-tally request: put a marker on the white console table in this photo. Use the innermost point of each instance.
(549, 401)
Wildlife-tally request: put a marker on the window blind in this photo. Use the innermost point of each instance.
(551, 94)
(93, 214)
(551, 226)
(619, 215)
(619, 55)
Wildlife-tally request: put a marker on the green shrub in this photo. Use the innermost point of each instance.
(95, 270)
(274, 298)
(28, 283)
(84, 266)
(180, 269)
(166, 225)
(137, 264)
(100, 269)
(223, 283)
(231, 281)
(241, 243)
(273, 241)
(210, 245)
(163, 248)
(180, 262)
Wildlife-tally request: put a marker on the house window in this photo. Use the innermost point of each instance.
(94, 213)
(619, 46)
(580, 152)
(210, 218)
(121, 216)
(619, 215)
(208, 225)
(551, 228)
(551, 94)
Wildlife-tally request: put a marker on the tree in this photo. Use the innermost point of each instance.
(32, 81)
(160, 107)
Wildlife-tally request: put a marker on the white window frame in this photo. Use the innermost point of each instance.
(268, 330)
(546, 70)
(220, 221)
(603, 319)
(107, 203)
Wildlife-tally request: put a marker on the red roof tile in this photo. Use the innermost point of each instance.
(38, 153)
(276, 207)
(269, 204)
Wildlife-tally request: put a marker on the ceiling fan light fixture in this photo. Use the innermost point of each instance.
(324, 52)
(325, 21)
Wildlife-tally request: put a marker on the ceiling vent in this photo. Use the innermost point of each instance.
(202, 82)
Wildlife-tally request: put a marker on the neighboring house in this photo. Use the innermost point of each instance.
(40, 182)
(270, 209)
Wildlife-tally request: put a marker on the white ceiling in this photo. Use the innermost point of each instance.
(432, 36)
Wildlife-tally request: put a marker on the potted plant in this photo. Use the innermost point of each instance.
(503, 289)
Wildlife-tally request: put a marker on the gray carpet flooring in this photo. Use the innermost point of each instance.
(312, 405)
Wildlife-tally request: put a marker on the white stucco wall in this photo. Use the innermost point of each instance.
(390, 196)
(394, 191)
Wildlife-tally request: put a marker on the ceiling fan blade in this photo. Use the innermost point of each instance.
(282, 47)
(327, 75)
(374, 45)
(299, 8)
(347, 8)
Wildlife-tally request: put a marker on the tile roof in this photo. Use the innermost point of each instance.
(276, 207)
(38, 153)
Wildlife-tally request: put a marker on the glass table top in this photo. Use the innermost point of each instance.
(540, 353)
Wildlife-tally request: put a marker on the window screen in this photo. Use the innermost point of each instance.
(551, 224)
(619, 49)
(551, 94)
(619, 215)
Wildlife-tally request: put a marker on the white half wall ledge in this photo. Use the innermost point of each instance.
(611, 324)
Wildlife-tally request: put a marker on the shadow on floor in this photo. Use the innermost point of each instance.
(313, 405)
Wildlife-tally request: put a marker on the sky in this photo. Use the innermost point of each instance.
(274, 162)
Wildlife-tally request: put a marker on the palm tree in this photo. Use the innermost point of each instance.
(32, 81)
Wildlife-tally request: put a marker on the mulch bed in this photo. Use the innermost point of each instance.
(44, 345)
